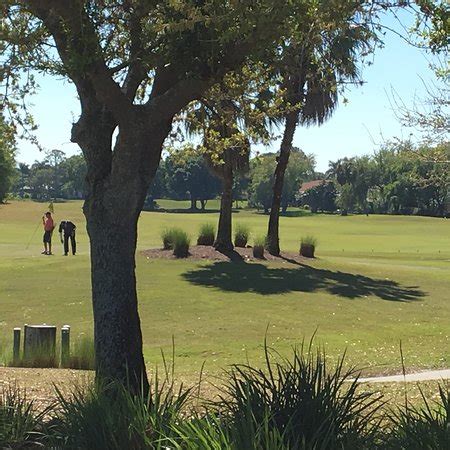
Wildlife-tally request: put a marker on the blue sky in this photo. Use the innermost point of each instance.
(356, 128)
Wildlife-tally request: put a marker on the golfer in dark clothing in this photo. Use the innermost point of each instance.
(66, 232)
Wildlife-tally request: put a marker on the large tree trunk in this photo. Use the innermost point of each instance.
(118, 338)
(223, 240)
(273, 240)
(114, 200)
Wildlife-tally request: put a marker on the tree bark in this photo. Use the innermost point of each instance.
(113, 203)
(118, 338)
(223, 240)
(273, 240)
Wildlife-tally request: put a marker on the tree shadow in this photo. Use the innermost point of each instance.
(264, 280)
(296, 213)
(233, 255)
(188, 210)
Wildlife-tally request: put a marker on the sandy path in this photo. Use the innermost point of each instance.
(39, 384)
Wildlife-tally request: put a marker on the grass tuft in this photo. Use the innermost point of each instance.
(167, 236)
(241, 235)
(83, 355)
(108, 416)
(20, 424)
(426, 427)
(258, 247)
(206, 234)
(298, 403)
(309, 240)
(181, 242)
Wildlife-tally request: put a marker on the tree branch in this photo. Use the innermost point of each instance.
(79, 48)
(136, 71)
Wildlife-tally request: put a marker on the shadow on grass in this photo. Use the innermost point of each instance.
(290, 213)
(187, 210)
(260, 279)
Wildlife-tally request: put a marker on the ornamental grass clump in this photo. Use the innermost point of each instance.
(181, 242)
(83, 357)
(167, 237)
(425, 427)
(258, 247)
(241, 235)
(298, 403)
(20, 423)
(109, 416)
(206, 234)
(308, 246)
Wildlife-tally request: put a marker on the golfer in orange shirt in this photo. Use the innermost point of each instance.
(49, 225)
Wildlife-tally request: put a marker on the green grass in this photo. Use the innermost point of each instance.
(377, 280)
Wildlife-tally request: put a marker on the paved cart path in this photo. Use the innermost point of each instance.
(429, 375)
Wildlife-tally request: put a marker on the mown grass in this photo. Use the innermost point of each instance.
(377, 280)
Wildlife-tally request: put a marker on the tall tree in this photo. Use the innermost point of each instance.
(229, 117)
(189, 176)
(313, 64)
(73, 175)
(7, 162)
(261, 176)
(23, 173)
(135, 65)
(232, 158)
(300, 169)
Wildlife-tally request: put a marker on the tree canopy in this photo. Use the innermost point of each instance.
(7, 162)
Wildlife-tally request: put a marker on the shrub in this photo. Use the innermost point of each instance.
(294, 403)
(181, 242)
(308, 246)
(110, 417)
(241, 235)
(167, 237)
(258, 247)
(309, 240)
(298, 403)
(19, 422)
(427, 427)
(206, 234)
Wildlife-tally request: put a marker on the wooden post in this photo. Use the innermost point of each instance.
(16, 345)
(39, 346)
(65, 345)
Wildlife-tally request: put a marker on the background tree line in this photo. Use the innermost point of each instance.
(398, 179)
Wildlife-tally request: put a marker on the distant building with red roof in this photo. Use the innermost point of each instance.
(312, 184)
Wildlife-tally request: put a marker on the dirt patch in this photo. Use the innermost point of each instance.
(39, 384)
(204, 252)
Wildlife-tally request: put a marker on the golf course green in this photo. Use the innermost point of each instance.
(378, 282)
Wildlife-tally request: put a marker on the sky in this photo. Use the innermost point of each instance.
(356, 128)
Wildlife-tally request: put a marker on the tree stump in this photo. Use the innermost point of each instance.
(39, 347)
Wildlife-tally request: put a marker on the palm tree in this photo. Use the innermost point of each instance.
(312, 70)
(233, 159)
(227, 118)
